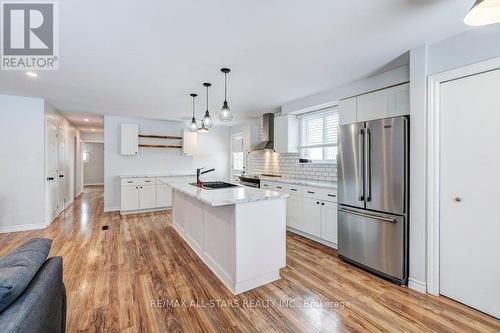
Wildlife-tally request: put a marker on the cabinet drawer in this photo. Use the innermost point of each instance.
(138, 181)
(282, 187)
(319, 193)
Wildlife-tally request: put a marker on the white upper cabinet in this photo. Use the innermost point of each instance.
(399, 100)
(348, 111)
(129, 144)
(373, 106)
(286, 134)
(189, 143)
(385, 103)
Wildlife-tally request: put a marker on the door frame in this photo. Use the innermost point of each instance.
(433, 160)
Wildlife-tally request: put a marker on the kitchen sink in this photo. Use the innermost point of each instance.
(215, 185)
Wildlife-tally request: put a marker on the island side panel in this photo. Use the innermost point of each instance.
(216, 248)
(260, 242)
(220, 242)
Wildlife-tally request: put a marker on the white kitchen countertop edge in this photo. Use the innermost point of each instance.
(227, 196)
(297, 181)
(158, 175)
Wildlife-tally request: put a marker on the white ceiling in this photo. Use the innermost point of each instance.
(86, 122)
(143, 58)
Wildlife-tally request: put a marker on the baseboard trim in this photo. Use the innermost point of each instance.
(139, 211)
(111, 209)
(24, 227)
(94, 184)
(313, 238)
(417, 285)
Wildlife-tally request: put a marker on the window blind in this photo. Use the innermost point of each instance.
(318, 132)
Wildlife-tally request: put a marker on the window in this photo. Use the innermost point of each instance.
(237, 157)
(85, 156)
(318, 135)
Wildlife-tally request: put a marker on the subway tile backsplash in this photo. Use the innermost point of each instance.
(287, 165)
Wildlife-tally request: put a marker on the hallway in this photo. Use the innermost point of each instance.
(138, 276)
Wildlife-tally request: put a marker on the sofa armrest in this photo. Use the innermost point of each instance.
(42, 305)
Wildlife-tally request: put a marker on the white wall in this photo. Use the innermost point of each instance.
(213, 152)
(22, 171)
(93, 170)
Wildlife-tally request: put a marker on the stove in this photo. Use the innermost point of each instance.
(254, 180)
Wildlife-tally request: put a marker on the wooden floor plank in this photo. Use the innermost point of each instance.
(116, 280)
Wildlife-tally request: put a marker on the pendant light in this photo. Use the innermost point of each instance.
(483, 12)
(225, 113)
(207, 120)
(193, 126)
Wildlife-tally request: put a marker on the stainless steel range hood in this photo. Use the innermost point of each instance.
(268, 129)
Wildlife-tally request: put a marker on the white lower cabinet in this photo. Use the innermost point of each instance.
(294, 211)
(147, 196)
(311, 216)
(163, 195)
(148, 193)
(310, 211)
(329, 221)
(130, 198)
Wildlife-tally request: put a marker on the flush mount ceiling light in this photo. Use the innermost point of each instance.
(86, 120)
(207, 120)
(193, 126)
(93, 129)
(32, 74)
(225, 113)
(483, 12)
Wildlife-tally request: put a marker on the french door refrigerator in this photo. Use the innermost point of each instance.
(372, 194)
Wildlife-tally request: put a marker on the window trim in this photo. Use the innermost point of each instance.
(319, 113)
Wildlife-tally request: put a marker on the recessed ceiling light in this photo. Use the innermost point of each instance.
(86, 120)
(32, 74)
(93, 130)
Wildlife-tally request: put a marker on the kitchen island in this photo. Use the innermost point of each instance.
(238, 232)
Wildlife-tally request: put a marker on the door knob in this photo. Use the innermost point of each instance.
(458, 199)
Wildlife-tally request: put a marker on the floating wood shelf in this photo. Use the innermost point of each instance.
(167, 137)
(159, 146)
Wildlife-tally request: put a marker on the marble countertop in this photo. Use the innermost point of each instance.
(154, 175)
(297, 181)
(227, 196)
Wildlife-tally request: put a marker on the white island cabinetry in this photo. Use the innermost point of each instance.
(239, 233)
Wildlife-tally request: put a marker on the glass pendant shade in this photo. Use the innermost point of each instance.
(207, 120)
(193, 126)
(225, 113)
(483, 12)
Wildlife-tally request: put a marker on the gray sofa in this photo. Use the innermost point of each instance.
(41, 304)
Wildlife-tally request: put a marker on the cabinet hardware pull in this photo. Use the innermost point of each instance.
(317, 202)
(129, 181)
(322, 204)
(293, 189)
(310, 192)
(279, 187)
(332, 195)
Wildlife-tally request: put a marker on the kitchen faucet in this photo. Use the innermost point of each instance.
(199, 173)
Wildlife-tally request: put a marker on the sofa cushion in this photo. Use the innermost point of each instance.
(18, 268)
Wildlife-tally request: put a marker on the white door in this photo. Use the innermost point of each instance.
(129, 198)
(294, 211)
(329, 221)
(52, 171)
(62, 169)
(147, 197)
(469, 198)
(311, 216)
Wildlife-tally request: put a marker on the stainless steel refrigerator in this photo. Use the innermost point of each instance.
(373, 180)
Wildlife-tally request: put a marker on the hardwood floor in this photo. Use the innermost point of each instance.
(139, 276)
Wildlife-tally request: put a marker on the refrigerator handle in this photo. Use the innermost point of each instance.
(361, 169)
(368, 165)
